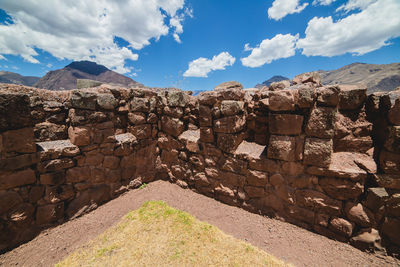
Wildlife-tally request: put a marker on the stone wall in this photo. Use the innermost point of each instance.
(324, 158)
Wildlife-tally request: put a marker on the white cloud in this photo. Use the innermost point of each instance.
(323, 2)
(281, 8)
(79, 30)
(355, 4)
(202, 66)
(358, 33)
(281, 46)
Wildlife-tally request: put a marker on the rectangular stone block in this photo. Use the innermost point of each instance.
(285, 124)
(229, 142)
(318, 152)
(20, 141)
(321, 122)
(282, 147)
(283, 100)
(15, 179)
(231, 124)
(352, 96)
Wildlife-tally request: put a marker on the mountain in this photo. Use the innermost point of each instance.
(15, 78)
(276, 78)
(66, 78)
(384, 77)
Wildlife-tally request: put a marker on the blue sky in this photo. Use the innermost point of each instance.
(197, 44)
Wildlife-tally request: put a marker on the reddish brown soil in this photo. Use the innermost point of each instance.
(285, 241)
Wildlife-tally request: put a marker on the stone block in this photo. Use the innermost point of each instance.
(18, 162)
(394, 113)
(283, 100)
(341, 226)
(392, 142)
(47, 131)
(140, 104)
(49, 214)
(359, 214)
(318, 202)
(79, 136)
(137, 118)
(343, 189)
(390, 228)
(107, 101)
(55, 165)
(206, 135)
(285, 124)
(77, 174)
(307, 95)
(22, 215)
(389, 162)
(15, 111)
(282, 147)
(231, 124)
(111, 162)
(328, 96)
(8, 200)
(367, 239)
(257, 178)
(54, 178)
(376, 198)
(190, 139)
(20, 141)
(234, 165)
(352, 96)
(83, 100)
(177, 98)
(229, 142)
(318, 152)
(172, 126)
(254, 192)
(142, 131)
(16, 179)
(231, 107)
(321, 122)
(308, 77)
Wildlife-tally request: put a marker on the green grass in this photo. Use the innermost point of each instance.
(158, 235)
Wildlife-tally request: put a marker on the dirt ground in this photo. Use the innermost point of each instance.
(285, 241)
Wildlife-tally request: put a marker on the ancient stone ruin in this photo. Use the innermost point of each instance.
(326, 158)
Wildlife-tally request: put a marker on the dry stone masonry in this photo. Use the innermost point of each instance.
(326, 158)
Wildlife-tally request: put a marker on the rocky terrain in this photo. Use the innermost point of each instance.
(276, 78)
(66, 78)
(325, 158)
(384, 77)
(15, 78)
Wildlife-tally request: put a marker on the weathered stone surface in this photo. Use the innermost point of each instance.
(229, 142)
(318, 202)
(282, 147)
(318, 152)
(359, 214)
(283, 100)
(285, 124)
(21, 141)
(228, 85)
(254, 192)
(307, 95)
(55, 165)
(276, 179)
(390, 228)
(308, 77)
(83, 100)
(137, 118)
(392, 143)
(172, 126)
(107, 101)
(321, 122)
(208, 98)
(341, 226)
(352, 96)
(177, 98)
(231, 124)
(206, 135)
(18, 162)
(8, 200)
(111, 162)
(232, 179)
(55, 149)
(140, 104)
(54, 178)
(376, 197)
(142, 131)
(79, 136)
(394, 113)
(49, 213)
(15, 179)
(257, 178)
(77, 174)
(234, 165)
(393, 205)
(47, 131)
(328, 96)
(15, 112)
(390, 162)
(190, 139)
(21, 215)
(55, 194)
(342, 189)
(230, 107)
(88, 200)
(275, 86)
(367, 239)
(250, 150)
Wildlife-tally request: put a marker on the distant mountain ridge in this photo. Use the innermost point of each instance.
(66, 78)
(15, 78)
(377, 77)
(276, 78)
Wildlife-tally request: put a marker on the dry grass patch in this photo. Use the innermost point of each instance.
(158, 235)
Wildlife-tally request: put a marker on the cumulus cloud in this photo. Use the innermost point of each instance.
(202, 66)
(280, 46)
(281, 8)
(358, 33)
(79, 30)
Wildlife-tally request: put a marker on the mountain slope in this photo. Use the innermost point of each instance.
(276, 78)
(383, 77)
(65, 79)
(15, 78)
